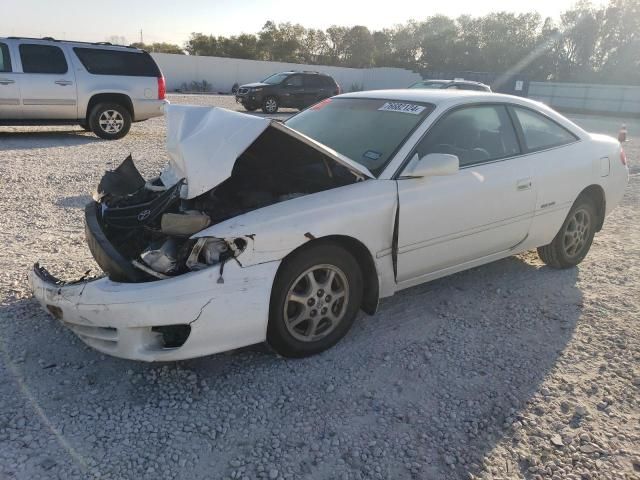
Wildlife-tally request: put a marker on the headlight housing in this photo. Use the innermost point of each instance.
(256, 89)
(209, 251)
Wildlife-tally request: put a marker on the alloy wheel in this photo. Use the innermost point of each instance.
(271, 105)
(577, 232)
(316, 303)
(111, 121)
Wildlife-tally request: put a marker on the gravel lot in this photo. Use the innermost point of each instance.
(511, 370)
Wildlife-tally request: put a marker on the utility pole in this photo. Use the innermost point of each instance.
(141, 41)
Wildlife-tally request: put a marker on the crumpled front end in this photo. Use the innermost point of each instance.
(171, 290)
(184, 317)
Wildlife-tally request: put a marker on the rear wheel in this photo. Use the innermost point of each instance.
(110, 121)
(573, 241)
(315, 299)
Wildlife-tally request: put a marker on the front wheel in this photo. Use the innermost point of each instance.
(573, 241)
(315, 299)
(270, 105)
(250, 108)
(110, 121)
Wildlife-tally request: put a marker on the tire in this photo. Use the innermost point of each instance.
(85, 126)
(110, 121)
(270, 105)
(250, 108)
(572, 243)
(335, 306)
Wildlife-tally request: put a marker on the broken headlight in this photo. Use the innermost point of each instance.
(209, 251)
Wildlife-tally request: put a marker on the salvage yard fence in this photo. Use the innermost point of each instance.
(623, 100)
(220, 74)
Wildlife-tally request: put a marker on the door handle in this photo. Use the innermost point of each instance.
(524, 184)
(6, 81)
(63, 83)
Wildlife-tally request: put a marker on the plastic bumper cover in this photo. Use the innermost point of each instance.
(117, 318)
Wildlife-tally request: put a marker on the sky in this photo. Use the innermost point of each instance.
(174, 20)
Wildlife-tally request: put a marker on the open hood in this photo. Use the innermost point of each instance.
(204, 144)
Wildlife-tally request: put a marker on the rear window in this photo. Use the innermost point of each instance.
(5, 59)
(42, 59)
(368, 131)
(100, 61)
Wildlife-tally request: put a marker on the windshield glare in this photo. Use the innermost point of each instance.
(368, 131)
(275, 79)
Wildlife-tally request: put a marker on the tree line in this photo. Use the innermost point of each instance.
(588, 43)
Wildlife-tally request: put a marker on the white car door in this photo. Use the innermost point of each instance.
(48, 83)
(483, 210)
(10, 108)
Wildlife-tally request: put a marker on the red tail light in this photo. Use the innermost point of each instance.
(623, 157)
(162, 88)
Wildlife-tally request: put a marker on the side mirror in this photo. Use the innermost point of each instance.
(432, 165)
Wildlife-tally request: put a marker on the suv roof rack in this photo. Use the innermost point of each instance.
(51, 39)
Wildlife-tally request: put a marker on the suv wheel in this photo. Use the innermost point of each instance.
(110, 121)
(270, 105)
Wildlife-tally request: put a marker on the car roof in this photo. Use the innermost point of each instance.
(76, 43)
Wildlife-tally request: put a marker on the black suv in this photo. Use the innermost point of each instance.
(287, 89)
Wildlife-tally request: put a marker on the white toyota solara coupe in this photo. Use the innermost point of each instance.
(262, 231)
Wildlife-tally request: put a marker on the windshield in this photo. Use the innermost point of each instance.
(428, 85)
(275, 79)
(368, 131)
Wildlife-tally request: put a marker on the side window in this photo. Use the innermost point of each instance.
(540, 132)
(5, 58)
(475, 134)
(294, 81)
(42, 59)
(313, 81)
(101, 61)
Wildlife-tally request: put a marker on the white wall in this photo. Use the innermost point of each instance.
(222, 73)
(624, 99)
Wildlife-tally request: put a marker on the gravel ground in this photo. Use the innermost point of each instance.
(511, 370)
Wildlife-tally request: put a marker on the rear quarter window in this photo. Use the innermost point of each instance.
(100, 61)
(541, 132)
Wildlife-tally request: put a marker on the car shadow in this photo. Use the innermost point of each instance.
(21, 140)
(433, 380)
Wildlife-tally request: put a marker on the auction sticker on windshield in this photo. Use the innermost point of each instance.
(402, 108)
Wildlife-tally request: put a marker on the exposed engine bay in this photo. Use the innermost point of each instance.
(140, 230)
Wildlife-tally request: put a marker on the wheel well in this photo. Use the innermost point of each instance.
(596, 194)
(119, 98)
(371, 289)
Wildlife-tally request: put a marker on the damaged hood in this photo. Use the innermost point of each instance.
(204, 143)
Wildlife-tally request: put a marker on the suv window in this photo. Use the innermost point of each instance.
(5, 58)
(475, 134)
(541, 132)
(314, 81)
(294, 81)
(42, 59)
(99, 61)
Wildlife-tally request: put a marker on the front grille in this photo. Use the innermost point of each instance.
(243, 91)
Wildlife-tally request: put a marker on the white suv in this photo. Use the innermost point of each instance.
(99, 86)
